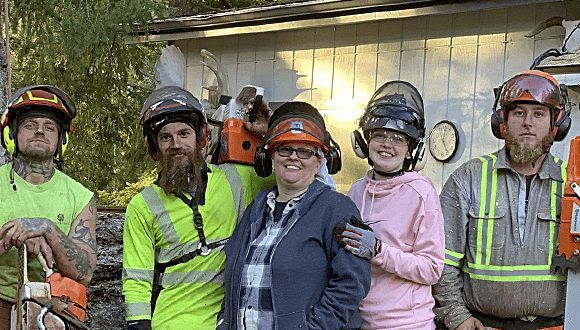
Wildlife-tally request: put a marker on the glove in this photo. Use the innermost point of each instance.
(358, 238)
(139, 325)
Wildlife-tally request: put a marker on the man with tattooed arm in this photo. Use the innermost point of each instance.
(42, 207)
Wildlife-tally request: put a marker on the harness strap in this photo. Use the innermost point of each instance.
(201, 250)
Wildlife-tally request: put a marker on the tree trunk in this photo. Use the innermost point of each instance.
(4, 158)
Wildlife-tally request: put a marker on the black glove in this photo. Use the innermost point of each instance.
(139, 325)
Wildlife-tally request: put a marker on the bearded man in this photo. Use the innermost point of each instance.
(502, 216)
(175, 229)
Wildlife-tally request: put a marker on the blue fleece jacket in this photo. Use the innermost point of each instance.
(316, 284)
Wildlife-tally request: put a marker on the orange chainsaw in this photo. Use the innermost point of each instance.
(57, 304)
(236, 143)
(568, 257)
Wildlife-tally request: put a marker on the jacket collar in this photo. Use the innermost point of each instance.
(549, 169)
(315, 189)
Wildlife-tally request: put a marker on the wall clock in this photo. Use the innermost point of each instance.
(443, 140)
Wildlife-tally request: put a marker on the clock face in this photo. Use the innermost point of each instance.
(443, 141)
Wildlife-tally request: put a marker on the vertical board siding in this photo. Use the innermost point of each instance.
(455, 60)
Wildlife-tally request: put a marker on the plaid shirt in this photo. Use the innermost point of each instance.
(256, 310)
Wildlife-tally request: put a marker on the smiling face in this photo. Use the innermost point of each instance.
(528, 132)
(38, 138)
(293, 173)
(388, 149)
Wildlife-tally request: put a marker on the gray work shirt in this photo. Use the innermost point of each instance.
(497, 261)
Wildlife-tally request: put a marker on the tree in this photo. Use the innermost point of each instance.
(79, 45)
(193, 7)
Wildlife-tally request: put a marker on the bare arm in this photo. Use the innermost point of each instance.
(75, 254)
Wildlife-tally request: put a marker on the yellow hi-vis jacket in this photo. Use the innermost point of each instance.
(193, 291)
(488, 267)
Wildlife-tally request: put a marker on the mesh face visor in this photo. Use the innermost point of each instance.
(396, 118)
(398, 93)
(531, 88)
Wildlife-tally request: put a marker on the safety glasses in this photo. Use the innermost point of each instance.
(382, 136)
(302, 153)
(539, 88)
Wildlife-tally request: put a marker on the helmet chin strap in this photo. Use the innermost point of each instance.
(388, 174)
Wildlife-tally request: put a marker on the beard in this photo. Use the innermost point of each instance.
(37, 155)
(523, 152)
(178, 175)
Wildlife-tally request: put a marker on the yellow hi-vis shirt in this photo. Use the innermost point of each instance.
(60, 200)
(193, 291)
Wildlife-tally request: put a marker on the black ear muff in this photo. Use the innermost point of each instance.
(333, 158)
(497, 116)
(562, 120)
(562, 125)
(262, 162)
(497, 125)
(151, 144)
(359, 145)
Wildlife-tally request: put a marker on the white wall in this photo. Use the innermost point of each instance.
(454, 60)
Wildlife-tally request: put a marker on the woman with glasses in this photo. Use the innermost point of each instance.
(284, 267)
(404, 240)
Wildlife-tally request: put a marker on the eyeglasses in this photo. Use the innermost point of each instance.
(381, 136)
(302, 153)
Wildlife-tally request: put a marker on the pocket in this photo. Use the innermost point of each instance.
(543, 230)
(294, 320)
(491, 225)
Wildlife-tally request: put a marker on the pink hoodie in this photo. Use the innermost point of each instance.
(405, 215)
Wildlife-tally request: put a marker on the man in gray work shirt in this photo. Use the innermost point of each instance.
(502, 215)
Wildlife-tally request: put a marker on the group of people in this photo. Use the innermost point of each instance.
(274, 246)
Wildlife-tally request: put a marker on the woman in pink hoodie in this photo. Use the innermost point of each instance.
(402, 233)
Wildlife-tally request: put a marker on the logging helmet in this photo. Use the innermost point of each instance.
(38, 101)
(168, 105)
(532, 86)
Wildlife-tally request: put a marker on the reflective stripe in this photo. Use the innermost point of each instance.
(486, 271)
(453, 258)
(138, 310)
(557, 189)
(199, 276)
(236, 187)
(160, 214)
(138, 274)
(488, 191)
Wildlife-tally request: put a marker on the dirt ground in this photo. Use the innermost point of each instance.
(105, 303)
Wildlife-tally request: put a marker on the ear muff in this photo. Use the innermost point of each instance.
(202, 136)
(8, 141)
(562, 124)
(359, 145)
(64, 142)
(262, 162)
(333, 157)
(497, 116)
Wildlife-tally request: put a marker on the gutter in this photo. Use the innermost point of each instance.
(308, 14)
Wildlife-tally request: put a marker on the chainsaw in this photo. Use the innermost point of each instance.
(568, 256)
(236, 143)
(59, 303)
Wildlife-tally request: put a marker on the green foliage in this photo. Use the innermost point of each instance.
(80, 47)
(193, 7)
(123, 196)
